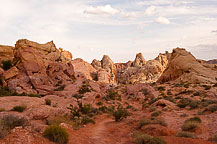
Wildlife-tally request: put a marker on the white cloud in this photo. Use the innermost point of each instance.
(101, 10)
(150, 10)
(162, 20)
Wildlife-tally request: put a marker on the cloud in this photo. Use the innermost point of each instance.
(162, 20)
(101, 10)
(150, 10)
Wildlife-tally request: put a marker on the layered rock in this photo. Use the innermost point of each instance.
(139, 60)
(184, 66)
(38, 68)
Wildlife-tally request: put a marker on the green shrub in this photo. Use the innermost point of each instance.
(147, 139)
(152, 121)
(185, 134)
(120, 113)
(56, 134)
(99, 103)
(144, 122)
(186, 85)
(86, 108)
(2, 109)
(5, 91)
(206, 87)
(47, 101)
(152, 109)
(6, 65)
(20, 108)
(157, 113)
(112, 95)
(145, 92)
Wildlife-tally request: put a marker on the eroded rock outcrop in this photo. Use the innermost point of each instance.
(139, 60)
(6, 53)
(38, 68)
(184, 66)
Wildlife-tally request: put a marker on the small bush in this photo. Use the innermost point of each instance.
(99, 103)
(47, 101)
(185, 134)
(84, 88)
(56, 134)
(147, 139)
(215, 85)
(86, 120)
(145, 92)
(206, 87)
(214, 138)
(152, 109)
(152, 121)
(120, 114)
(112, 95)
(157, 113)
(6, 65)
(186, 85)
(194, 119)
(20, 108)
(190, 126)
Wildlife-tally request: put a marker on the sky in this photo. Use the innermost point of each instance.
(90, 29)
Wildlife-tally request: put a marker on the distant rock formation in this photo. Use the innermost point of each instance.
(139, 60)
(184, 66)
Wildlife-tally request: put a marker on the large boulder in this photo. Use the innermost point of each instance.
(139, 60)
(84, 69)
(184, 66)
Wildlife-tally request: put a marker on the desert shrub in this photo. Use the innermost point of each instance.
(194, 104)
(2, 109)
(161, 88)
(169, 92)
(120, 114)
(185, 134)
(56, 134)
(157, 113)
(212, 108)
(193, 119)
(47, 101)
(185, 92)
(152, 121)
(60, 88)
(34, 95)
(154, 100)
(5, 91)
(20, 108)
(86, 108)
(9, 122)
(183, 102)
(85, 87)
(190, 126)
(215, 85)
(112, 95)
(6, 65)
(59, 83)
(169, 98)
(86, 120)
(196, 94)
(147, 139)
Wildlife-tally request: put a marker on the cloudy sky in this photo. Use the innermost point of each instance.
(119, 28)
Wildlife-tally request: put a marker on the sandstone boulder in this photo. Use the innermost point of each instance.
(6, 53)
(184, 66)
(139, 60)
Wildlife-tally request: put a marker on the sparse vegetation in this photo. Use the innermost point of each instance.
(161, 88)
(212, 108)
(60, 88)
(191, 124)
(147, 139)
(8, 122)
(34, 95)
(47, 101)
(20, 108)
(85, 87)
(152, 121)
(112, 95)
(56, 134)
(157, 113)
(120, 114)
(185, 134)
(183, 102)
(214, 138)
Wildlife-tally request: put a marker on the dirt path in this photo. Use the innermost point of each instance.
(99, 132)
